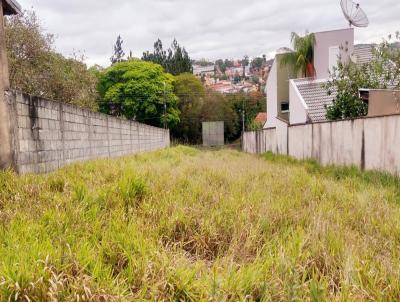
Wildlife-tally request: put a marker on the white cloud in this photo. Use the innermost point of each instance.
(207, 28)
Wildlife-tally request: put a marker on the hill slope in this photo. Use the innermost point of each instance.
(186, 225)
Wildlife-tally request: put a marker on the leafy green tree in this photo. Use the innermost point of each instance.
(159, 56)
(221, 65)
(382, 72)
(252, 104)
(175, 60)
(191, 94)
(37, 69)
(216, 107)
(139, 90)
(119, 53)
(257, 63)
(302, 59)
(229, 63)
(254, 125)
(346, 106)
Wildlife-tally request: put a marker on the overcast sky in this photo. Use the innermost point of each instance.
(207, 28)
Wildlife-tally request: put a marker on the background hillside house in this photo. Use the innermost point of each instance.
(277, 89)
(261, 118)
(201, 71)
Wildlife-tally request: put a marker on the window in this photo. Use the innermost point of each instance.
(364, 95)
(285, 107)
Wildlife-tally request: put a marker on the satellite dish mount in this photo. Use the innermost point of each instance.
(354, 14)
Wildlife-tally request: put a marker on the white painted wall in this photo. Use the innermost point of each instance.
(271, 90)
(369, 143)
(298, 108)
(327, 39)
(334, 53)
(281, 137)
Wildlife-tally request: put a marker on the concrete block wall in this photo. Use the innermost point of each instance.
(371, 143)
(48, 135)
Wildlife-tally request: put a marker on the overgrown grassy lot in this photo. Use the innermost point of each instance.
(189, 225)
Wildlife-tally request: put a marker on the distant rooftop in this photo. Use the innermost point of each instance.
(261, 117)
(11, 7)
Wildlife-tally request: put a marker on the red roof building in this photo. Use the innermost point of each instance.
(261, 118)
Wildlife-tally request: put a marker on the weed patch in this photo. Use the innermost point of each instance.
(186, 224)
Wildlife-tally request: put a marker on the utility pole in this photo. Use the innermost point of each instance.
(243, 115)
(165, 108)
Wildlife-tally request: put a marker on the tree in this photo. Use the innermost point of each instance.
(175, 60)
(251, 103)
(245, 63)
(346, 106)
(139, 90)
(37, 69)
(382, 72)
(257, 63)
(159, 56)
(119, 53)
(191, 94)
(221, 65)
(217, 107)
(302, 59)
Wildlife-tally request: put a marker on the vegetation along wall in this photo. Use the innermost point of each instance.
(368, 143)
(47, 135)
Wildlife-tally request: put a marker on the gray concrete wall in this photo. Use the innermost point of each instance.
(368, 143)
(48, 135)
(213, 134)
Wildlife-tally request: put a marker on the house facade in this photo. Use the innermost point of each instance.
(306, 98)
(277, 90)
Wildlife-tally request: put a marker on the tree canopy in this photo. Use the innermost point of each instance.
(175, 60)
(191, 94)
(119, 53)
(139, 90)
(258, 62)
(36, 68)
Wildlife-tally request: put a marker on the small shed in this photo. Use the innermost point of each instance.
(213, 134)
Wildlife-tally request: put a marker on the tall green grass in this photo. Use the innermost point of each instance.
(189, 225)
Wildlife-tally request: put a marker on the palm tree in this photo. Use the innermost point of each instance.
(302, 59)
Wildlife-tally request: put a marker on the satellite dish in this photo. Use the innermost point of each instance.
(354, 14)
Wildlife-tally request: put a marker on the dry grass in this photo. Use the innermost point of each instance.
(189, 225)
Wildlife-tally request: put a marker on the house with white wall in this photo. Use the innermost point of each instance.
(306, 97)
(277, 89)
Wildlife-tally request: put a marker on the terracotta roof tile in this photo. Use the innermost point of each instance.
(261, 117)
